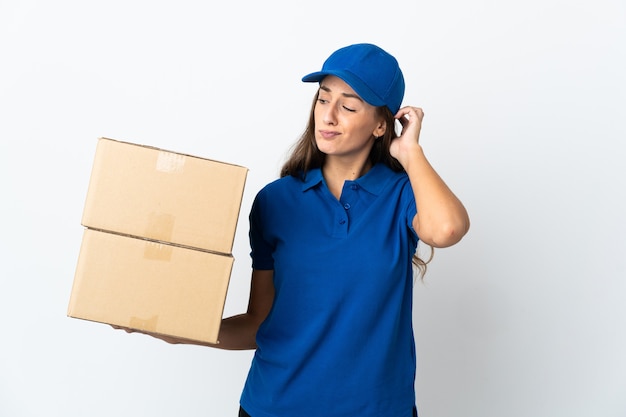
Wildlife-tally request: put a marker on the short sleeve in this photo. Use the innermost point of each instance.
(408, 199)
(261, 250)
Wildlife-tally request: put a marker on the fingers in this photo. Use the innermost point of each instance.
(126, 329)
(407, 113)
(413, 111)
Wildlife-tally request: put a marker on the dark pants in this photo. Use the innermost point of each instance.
(242, 412)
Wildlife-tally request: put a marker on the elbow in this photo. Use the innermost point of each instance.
(447, 233)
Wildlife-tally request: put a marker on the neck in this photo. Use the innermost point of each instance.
(337, 172)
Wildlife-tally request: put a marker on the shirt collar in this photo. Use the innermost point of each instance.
(312, 178)
(373, 181)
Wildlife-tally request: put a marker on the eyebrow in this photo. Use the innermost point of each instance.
(349, 95)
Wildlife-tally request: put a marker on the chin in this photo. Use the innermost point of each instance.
(323, 146)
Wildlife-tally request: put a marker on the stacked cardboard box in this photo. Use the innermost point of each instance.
(156, 254)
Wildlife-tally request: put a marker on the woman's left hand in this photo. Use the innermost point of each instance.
(411, 120)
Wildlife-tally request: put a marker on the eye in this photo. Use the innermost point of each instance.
(349, 109)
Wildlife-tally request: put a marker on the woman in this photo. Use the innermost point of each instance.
(332, 246)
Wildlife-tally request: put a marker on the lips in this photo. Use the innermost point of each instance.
(328, 134)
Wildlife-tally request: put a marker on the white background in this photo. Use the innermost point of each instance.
(525, 108)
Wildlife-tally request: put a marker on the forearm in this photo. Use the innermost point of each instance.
(441, 218)
(236, 333)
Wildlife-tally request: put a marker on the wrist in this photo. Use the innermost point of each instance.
(412, 157)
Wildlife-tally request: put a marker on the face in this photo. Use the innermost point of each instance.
(345, 125)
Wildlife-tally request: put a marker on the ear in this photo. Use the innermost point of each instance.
(380, 128)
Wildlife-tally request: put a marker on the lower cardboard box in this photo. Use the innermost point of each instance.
(150, 286)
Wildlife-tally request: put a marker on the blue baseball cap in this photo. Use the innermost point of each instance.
(371, 72)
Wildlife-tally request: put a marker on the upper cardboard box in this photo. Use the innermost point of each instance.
(165, 196)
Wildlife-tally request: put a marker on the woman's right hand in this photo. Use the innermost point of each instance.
(169, 339)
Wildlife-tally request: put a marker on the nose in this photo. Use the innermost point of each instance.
(330, 115)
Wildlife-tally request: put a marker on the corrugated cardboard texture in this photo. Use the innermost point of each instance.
(166, 196)
(149, 286)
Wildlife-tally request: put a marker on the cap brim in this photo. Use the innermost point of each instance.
(357, 85)
(314, 77)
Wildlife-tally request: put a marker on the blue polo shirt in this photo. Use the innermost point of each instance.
(338, 341)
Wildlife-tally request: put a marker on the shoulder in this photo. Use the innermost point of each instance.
(292, 184)
(381, 179)
(277, 193)
(279, 186)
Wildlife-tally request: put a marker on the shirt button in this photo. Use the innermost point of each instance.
(354, 186)
(346, 206)
(342, 221)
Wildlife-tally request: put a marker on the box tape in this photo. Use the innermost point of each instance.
(160, 226)
(170, 162)
(157, 251)
(146, 325)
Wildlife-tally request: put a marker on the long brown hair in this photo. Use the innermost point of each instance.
(306, 156)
